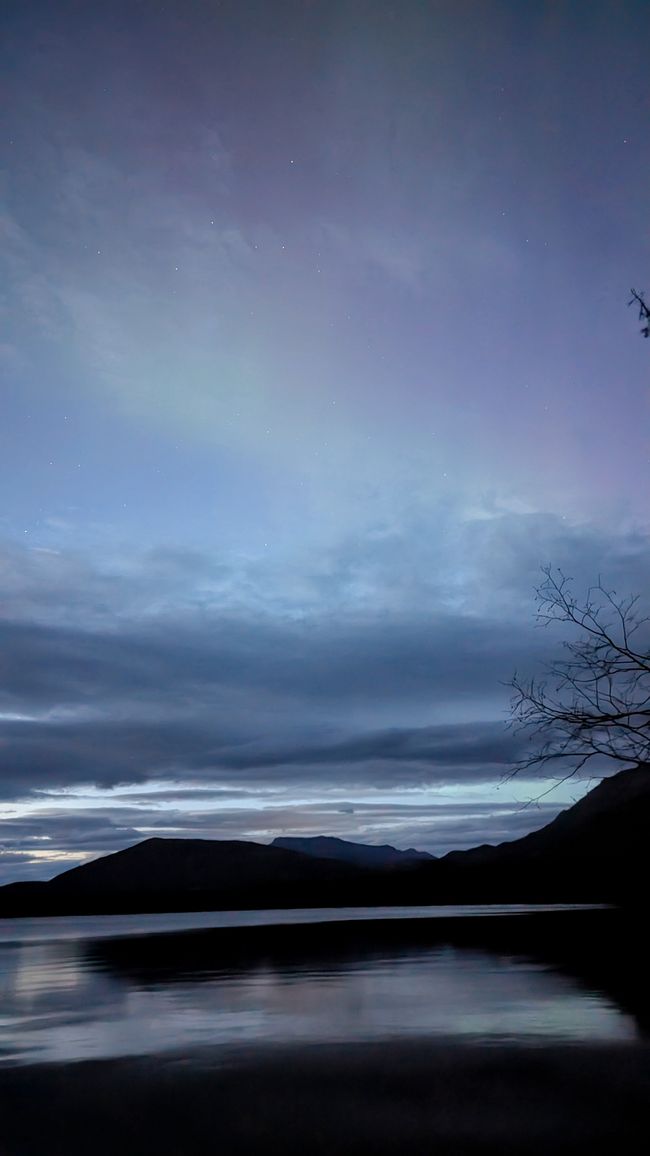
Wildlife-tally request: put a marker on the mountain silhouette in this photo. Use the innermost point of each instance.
(189, 865)
(344, 851)
(595, 851)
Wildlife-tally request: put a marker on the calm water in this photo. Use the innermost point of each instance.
(71, 990)
(108, 926)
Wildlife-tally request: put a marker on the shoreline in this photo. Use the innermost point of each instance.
(227, 918)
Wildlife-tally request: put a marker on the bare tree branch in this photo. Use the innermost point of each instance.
(595, 702)
(644, 311)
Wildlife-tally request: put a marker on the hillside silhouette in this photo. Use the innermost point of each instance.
(344, 851)
(593, 852)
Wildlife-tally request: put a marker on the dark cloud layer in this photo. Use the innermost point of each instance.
(373, 658)
(243, 694)
(108, 753)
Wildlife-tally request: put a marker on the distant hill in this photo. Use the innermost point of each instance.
(595, 851)
(190, 865)
(344, 851)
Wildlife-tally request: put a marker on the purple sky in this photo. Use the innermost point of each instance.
(315, 348)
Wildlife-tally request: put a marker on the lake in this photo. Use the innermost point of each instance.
(110, 986)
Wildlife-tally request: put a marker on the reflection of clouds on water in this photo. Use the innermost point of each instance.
(61, 1002)
(47, 995)
(42, 969)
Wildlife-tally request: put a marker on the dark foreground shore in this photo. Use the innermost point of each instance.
(391, 1097)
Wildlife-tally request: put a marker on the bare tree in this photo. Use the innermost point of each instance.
(644, 311)
(594, 702)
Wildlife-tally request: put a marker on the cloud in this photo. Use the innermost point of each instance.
(462, 745)
(41, 754)
(204, 656)
(176, 663)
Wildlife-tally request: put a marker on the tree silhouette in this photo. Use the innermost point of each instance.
(595, 702)
(644, 311)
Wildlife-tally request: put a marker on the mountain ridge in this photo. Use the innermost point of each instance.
(594, 851)
(348, 851)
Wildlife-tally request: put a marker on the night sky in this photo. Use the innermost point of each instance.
(314, 349)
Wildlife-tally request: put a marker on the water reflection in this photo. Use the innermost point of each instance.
(517, 981)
